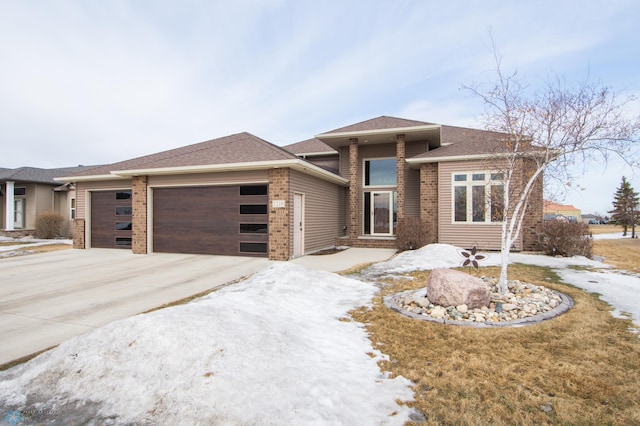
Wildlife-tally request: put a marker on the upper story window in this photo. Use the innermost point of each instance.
(380, 172)
(478, 197)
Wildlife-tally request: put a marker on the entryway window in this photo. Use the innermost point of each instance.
(380, 172)
(380, 212)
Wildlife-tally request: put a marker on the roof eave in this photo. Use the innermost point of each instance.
(294, 163)
(87, 178)
(393, 130)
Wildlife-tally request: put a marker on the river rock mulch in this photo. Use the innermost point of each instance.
(523, 304)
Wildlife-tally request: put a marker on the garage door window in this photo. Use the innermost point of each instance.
(253, 190)
(253, 247)
(123, 195)
(123, 242)
(253, 209)
(253, 228)
(123, 226)
(123, 211)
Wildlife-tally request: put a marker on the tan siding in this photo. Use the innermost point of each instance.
(83, 187)
(344, 162)
(412, 180)
(324, 210)
(483, 235)
(222, 178)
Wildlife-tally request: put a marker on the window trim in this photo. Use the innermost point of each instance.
(488, 183)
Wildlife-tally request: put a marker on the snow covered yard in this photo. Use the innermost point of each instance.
(278, 348)
(618, 288)
(20, 246)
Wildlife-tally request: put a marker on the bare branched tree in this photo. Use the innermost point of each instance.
(546, 132)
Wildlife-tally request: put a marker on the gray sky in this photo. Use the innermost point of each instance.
(93, 82)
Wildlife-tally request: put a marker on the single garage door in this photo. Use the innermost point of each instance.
(111, 219)
(224, 220)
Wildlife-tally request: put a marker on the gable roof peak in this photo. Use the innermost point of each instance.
(379, 123)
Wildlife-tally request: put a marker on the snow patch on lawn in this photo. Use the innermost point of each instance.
(277, 348)
(619, 289)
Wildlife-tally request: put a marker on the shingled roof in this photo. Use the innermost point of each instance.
(311, 146)
(379, 123)
(238, 148)
(38, 175)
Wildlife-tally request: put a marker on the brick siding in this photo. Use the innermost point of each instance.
(280, 218)
(353, 188)
(533, 221)
(139, 190)
(401, 165)
(429, 199)
(78, 232)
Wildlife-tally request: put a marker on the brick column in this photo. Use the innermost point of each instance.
(429, 199)
(139, 214)
(532, 222)
(78, 232)
(400, 156)
(279, 217)
(353, 188)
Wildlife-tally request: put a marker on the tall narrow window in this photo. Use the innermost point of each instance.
(497, 203)
(72, 209)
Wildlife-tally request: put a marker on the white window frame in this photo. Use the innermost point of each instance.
(72, 208)
(487, 182)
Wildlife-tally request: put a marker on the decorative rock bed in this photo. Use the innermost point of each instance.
(523, 304)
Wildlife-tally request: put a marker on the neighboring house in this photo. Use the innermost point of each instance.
(570, 213)
(241, 195)
(26, 192)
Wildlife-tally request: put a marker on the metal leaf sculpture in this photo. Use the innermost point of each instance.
(472, 257)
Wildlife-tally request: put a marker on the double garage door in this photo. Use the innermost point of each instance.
(223, 220)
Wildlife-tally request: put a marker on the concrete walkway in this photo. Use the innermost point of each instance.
(48, 298)
(345, 259)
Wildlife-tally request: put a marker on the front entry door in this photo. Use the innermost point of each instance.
(382, 213)
(18, 215)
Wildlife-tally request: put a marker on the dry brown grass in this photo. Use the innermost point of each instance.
(605, 229)
(585, 363)
(621, 253)
(12, 243)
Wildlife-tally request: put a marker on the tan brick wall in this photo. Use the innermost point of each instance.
(353, 188)
(533, 220)
(78, 230)
(429, 199)
(366, 242)
(139, 190)
(400, 157)
(280, 218)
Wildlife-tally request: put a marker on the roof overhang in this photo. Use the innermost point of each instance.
(295, 164)
(417, 161)
(429, 132)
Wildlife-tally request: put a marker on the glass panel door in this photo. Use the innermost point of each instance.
(381, 213)
(18, 213)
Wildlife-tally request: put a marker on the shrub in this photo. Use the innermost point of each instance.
(49, 225)
(411, 233)
(566, 239)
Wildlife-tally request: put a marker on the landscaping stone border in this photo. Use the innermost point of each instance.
(566, 304)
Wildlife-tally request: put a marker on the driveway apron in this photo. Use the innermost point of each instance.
(50, 297)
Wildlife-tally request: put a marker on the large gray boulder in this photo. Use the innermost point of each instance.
(447, 287)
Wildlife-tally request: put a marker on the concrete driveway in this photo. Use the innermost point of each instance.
(50, 297)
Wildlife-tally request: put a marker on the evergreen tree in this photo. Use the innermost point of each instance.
(625, 208)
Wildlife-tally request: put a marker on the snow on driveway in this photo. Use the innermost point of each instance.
(275, 349)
